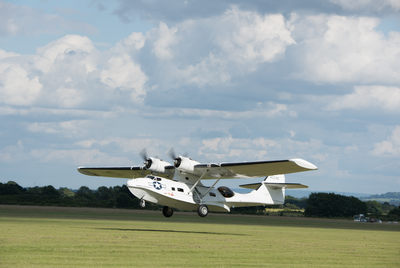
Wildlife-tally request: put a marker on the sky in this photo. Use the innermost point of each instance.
(93, 82)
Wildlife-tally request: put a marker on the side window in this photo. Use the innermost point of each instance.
(158, 179)
(180, 190)
(226, 192)
(212, 194)
(173, 188)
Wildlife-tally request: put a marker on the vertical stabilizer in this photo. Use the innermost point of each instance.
(275, 179)
(277, 193)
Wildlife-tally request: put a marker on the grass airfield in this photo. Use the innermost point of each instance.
(87, 237)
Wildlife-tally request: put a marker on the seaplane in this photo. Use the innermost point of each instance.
(180, 185)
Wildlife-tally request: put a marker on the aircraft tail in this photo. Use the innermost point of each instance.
(272, 189)
(275, 185)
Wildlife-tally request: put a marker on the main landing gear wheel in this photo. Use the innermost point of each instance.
(142, 203)
(202, 210)
(167, 211)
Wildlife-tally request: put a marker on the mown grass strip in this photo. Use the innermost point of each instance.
(75, 237)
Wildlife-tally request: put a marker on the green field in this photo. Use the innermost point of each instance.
(85, 237)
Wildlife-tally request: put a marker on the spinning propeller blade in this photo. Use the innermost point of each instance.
(146, 160)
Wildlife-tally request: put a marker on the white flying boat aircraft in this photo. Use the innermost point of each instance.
(180, 185)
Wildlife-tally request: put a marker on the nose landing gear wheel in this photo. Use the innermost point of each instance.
(167, 211)
(142, 203)
(202, 210)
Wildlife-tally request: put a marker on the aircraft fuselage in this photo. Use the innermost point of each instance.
(184, 196)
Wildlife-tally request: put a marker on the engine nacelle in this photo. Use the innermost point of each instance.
(185, 164)
(155, 165)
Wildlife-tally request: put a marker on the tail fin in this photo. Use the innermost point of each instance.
(275, 179)
(277, 193)
(272, 189)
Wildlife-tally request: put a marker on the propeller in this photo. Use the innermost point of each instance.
(172, 153)
(146, 160)
(177, 159)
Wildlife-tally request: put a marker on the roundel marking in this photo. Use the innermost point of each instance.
(157, 185)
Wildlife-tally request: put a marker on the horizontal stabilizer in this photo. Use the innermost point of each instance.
(286, 185)
(255, 186)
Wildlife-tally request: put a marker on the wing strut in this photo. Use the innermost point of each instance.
(195, 184)
(209, 189)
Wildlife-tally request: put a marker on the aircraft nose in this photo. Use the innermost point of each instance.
(138, 182)
(132, 183)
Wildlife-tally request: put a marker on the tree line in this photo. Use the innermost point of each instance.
(316, 205)
(105, 197)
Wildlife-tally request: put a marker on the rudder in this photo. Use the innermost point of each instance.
(277, 193)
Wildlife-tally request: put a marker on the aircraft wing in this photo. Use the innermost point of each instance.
(119, 172)
(253, 169)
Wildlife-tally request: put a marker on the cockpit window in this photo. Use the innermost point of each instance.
(226, 192)
(150, 177)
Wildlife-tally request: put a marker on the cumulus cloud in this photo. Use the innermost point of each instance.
(367, 97)
(336, 49)
(253, 37)
(70, 72)
(166, 37)
(210, 51)
(122, 73)
(17, 85)
(389, 147)
(134, 42)
(68, 97)
(62, 48)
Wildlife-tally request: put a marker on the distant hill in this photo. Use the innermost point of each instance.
(392, 198)
(306, 193)
(390, 195)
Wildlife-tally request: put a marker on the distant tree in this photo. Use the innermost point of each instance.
(394, 214)
(65, 192)
(333, 205)
(297, 202)
(49, 192)
(104, 193)
(374, 208)
(11, 188)
(85, 193)
(259, 210)
(105, 197)
(386, 207)
(291, 206)
(85, 197)
(34, 190)
(123, 200)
